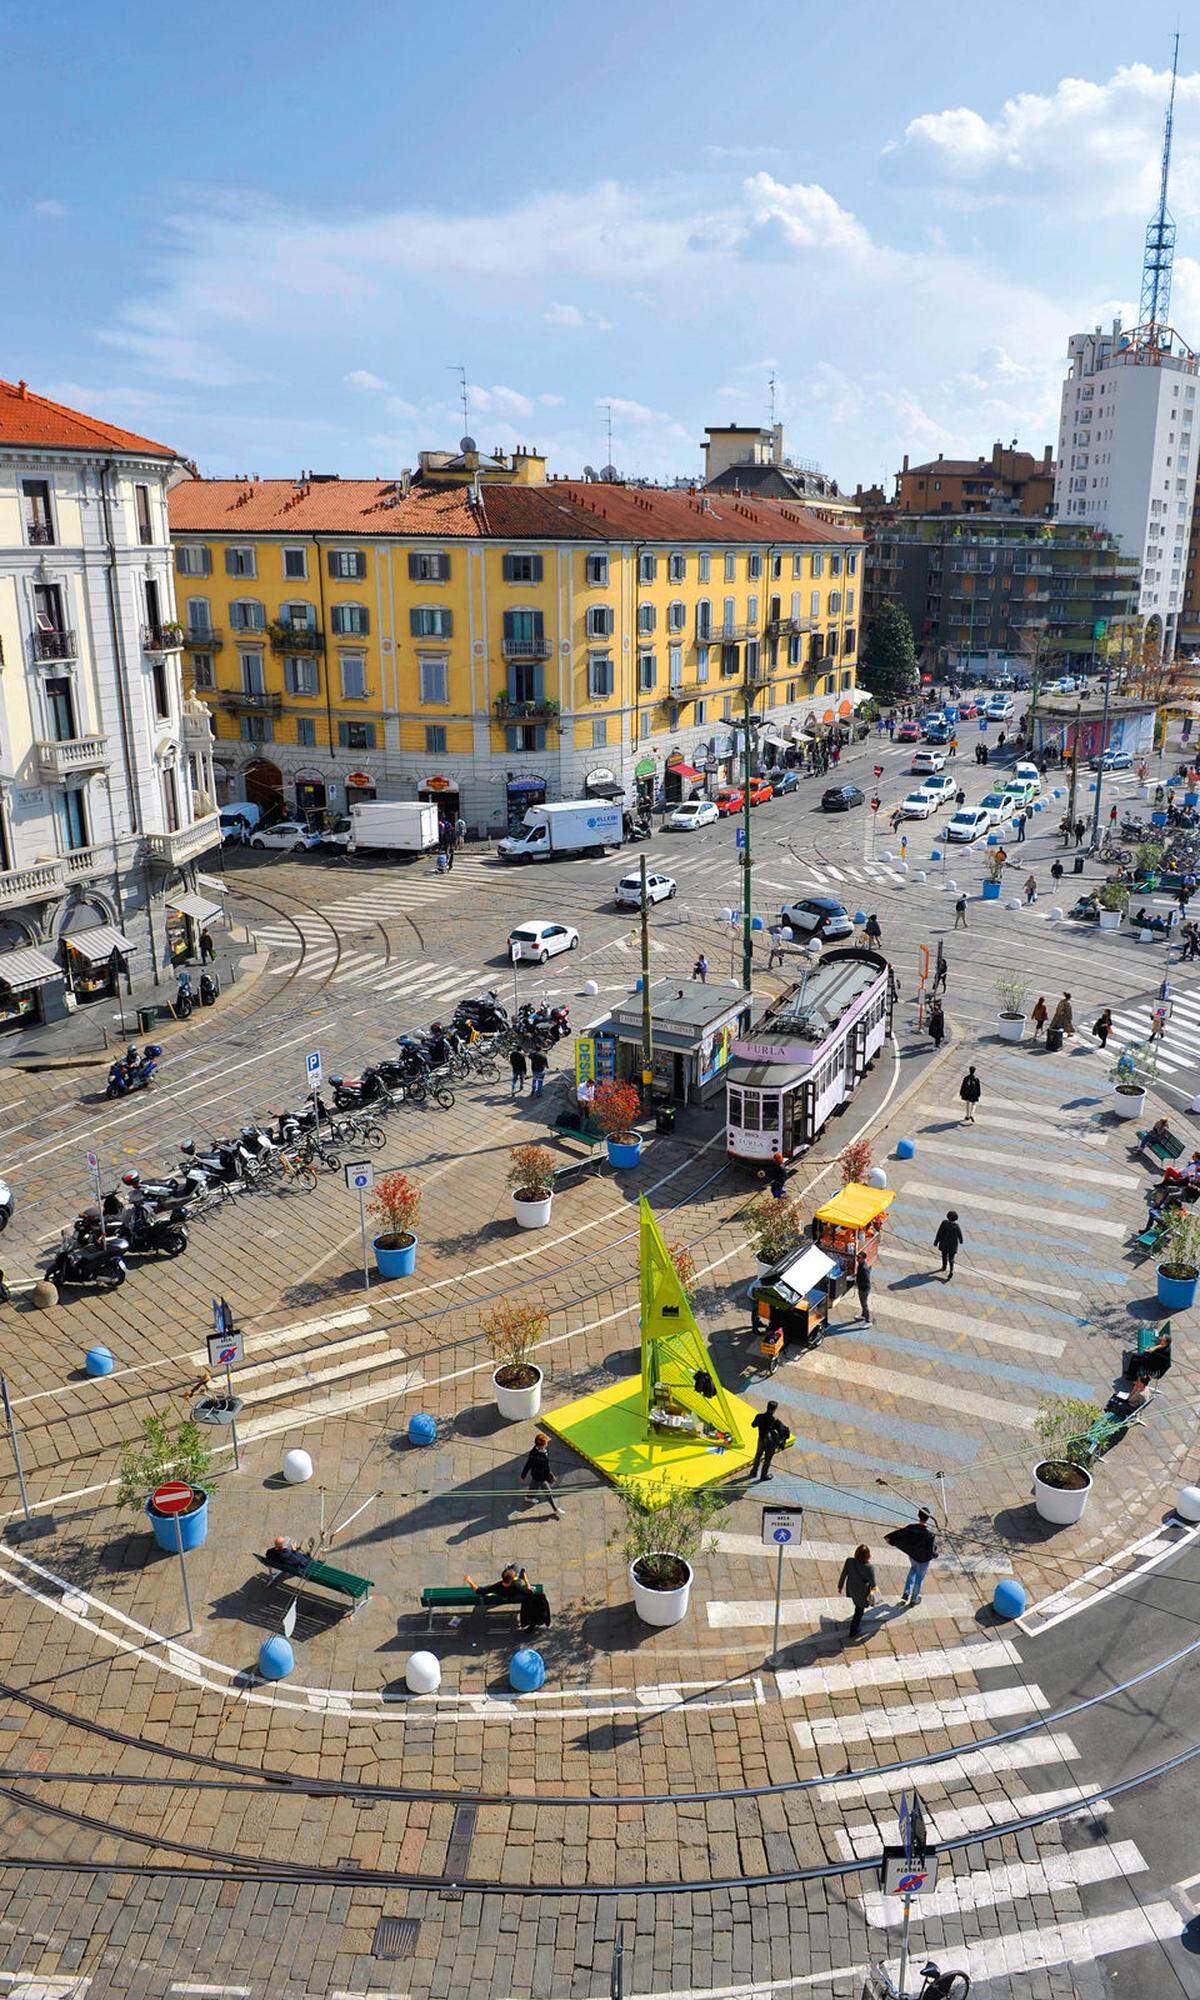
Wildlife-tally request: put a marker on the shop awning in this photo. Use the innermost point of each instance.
(99, 944)
(27, 967)
(196, 907)
(683, 771)
(608, 789)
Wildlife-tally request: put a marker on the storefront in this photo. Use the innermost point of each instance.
(312, 794)
(680, 780)
(359, 785)
(188, 916)
(519, 795)
(439, 792)
(602, 784)
(32, 988)
(645, 773)
(95, 960)
(693, 1027)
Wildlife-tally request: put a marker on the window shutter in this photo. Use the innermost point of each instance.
(536, 566)
(414, 566)
(510, 569)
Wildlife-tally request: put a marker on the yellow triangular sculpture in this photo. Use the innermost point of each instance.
(673, 1350)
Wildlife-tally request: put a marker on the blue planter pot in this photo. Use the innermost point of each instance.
(624, 1152)
(193, 1527)
(1176, 1294)
(991, 892)
(395, 1263)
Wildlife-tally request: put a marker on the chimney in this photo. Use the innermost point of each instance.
(777, 444)
(23, 391)
(1048, 457)
(904, 467)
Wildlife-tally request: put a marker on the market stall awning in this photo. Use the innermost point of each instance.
(197, 907)
(609, 789)
(855, 1206)
(27, 967)
(683, 771)
(802, 1274)
(99, 944)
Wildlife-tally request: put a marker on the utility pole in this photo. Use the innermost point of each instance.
(747, 894)
(1099, 631)
(647, 1019)
(1075, 761)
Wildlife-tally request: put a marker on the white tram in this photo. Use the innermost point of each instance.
(805, 1058)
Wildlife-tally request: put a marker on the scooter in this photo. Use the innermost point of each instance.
(133, 1071)
(185, 999)
(6, 1204)
(143, 1226)
(97, 1263)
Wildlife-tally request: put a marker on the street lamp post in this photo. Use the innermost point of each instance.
(747, 897)
(1098, 632)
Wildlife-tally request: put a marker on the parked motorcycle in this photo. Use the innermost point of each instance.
(80, 1263)
(146, 1229)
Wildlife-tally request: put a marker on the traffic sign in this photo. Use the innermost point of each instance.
(93, 1160)
(902, 1877)
(312, 1067)
(360, 1175)
(174, 1496)
(782, 1526)
(741, 836)
(879, 770)
(876, 802)
(226, 1350)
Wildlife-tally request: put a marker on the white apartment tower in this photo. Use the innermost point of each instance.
(1127, 454)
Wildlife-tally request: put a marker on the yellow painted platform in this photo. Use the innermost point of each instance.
(609, 1429)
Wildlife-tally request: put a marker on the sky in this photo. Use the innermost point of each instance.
(270, 235)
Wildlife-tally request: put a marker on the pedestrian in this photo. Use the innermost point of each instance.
(700, 970)
(539, 1063)
(1191, 941)
(208, 949)
(446, 841)
(1164, 987)
(919, 1543)
(862, 1285)
(1056, 870)
(960, 914)
(952, 746)
(1102, 1027)
(970, 1090)
(460, 831)
(777, 1177)
(1039, 1016)
(585, 1095)
(1112, 818)
(940, 970)
(1158, 1023)
(772, 1436)
(937, 1024)
(1030, 889)
(1062, 1018)
(872, 933)
(537, 1470)
(857, 1582)
(776, 951)
(519, 1067)
(1019, 823)
(1080, 831)
(948, 1242)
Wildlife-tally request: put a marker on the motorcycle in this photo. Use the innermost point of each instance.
(544, 1025)
(88, 1263)
(484, 1012)
(183, 1188)
(210, 986)
(144, 1227)
(351, 1093)
(219, 1163)
(6, 1204)
(133, 1071)
(185, 999)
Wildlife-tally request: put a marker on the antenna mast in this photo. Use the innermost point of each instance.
(1160, 231)
(456, 368)
(771, 387)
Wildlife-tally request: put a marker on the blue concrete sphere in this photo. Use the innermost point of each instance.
(422, 1429)
(935, 854)
(98, 1361)
(275, 1658)
(1009, 1598)
(860, 916)
(906, 1149)
(526, 1670)
(756, 923)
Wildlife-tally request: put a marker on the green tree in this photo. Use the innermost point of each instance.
(888, 667)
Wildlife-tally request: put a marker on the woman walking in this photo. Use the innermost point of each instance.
(537, 1470)
(1102, 1027)
(857, 1582)
(937, 1024)
(1062, 1020)
(1030, 889)
(1039, 1016)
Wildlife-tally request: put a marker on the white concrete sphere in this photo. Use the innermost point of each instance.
(902, 869)
(1013, 903)
(888, 855)
(422, 1673)
(1187, 1506)
(952, 887)
(1056, 915)
(876, 1177)
(787, 934)
(297, 1466)
(920, 875)
(590, 987)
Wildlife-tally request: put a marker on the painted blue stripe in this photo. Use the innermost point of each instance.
(996, 1236)
(862, 1461)
(971, 1364)
(842, 1501)
(996, 1177)
(968, 1300)
(918, 1437)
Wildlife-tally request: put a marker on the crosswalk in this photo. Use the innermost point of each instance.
(1179, 1048)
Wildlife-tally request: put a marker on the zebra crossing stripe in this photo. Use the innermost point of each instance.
(865, 1838)
(1026, 1163)
(1008, 1882)
(871, 1725)
(809, 1610)
(941, 1663)
(969, 1764)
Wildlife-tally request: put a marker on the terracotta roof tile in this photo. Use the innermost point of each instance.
(26, 418)
(675, 514)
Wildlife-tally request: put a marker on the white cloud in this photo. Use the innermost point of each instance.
(507, 402)
(362, 378)
(51, 210)
(550, 401)
(803, 217)
(562, 315)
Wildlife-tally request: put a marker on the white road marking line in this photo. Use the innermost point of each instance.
(809, 1610)
(1027, 1163)
(1091, 1225)
(941, 1663)
(888, 1305)
(864, 1838)
(872, 1725)
(1008, 1882)
(1022, 1126)
(915, 1388)
(1019, 1756)
(985, 1274)
(730, 1543)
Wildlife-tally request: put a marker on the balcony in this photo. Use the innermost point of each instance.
(206, 637)
(288, 638)
(544, 709)
(51, 647)
(58, 761)
(40, 534)
(787, 628)
(186, 843)
(162, 638)
(239, 701)
(732, 635)
(82, 862)
(26, 885)
(536, 648)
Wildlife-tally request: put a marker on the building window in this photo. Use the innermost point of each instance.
(835, 565)
(299, 615)
(599, 621)
(752, 610)
(814, 601)
(202, 671)
(435, 738)
(797, 565)
(350, 620)
(39, 521)
(702, 663)
(356, 735)
(700, 712)
(354, 676)
(597, 571)
(647, 671)
(600, 675)
(776, 567)
(199, 615)
(192, 559)
(521, 568)
(72, 808)
(162, 690)
(428, 566)
(849, 600)
(676, 615)
(644, 725)
(346, 564)
(141, 506)
(253, 677)
(599, 731)
(306, 732)
(848, 638)
(835, 602)
(703, 620)
(791, 691)
(60, 708)
(818, 565)
(295, 565)
(676, 568)
(794, 649)
(430, 621)
(730, 568)
(239, 561)
(435, 681)
(675, 664)
(300, 675)
(753, 567)
(729, 661)
(727, 708)
(647, 618)
(246, 615)
(752, 654)
(257, 729)
(647, 566)
(525, 736)
(852, 563)
(705, 564)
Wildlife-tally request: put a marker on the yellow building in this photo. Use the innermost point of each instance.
(495, 641)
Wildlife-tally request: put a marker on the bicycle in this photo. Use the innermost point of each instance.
(936, 1984)
(296, 1168)
(361, 1131)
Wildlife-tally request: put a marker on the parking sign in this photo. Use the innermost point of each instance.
(312, 1068)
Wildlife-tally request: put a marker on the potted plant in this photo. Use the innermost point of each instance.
(513, 1331)
(1131, 1072)
(1147, 860)
(1061, 1480)
(664, 1532)
(1114, 901)
(1012, 993)
(856, 1161)
(531, 1178)
(395, 1202)
(1179, 1270)
(774, 1229)
(163, 1453)
(615, 1110)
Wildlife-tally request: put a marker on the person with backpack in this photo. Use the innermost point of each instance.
(960, 914)
(970, 1091)
(919, 1543)
(772, 1436)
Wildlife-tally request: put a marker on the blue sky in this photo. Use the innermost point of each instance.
(266, 233)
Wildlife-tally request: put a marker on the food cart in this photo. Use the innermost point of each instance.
(792, 1302)
(849, 1227)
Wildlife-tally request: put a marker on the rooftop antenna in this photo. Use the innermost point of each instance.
(608, 466)
(771, 387)
(456, 368)
(1160, 230)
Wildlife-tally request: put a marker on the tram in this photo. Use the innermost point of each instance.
(807, 1055)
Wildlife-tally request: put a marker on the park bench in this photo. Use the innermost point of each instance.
(1150, 1239)
(1101, 1436)
(1162, 1150)
(1152, 1355)
(461, 1597)
(342, 1582)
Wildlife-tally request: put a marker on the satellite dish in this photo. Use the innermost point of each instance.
(609, 472)
(467, 444)
(590, 472)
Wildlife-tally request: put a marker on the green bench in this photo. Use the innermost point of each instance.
(1162, 1150)
(1101, 1436)
(342, 1582)
(461, 1597)
(1150, 1239)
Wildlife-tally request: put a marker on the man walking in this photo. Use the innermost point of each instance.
(940, 971)
(960, 914)
(771, 1436)
(948, 1242)
(1020, 826)
(970, 1092)
(919, 1543)
(518, 1066)
(208, 949)
(539, 1063)
(862, 1285)
(700, 970)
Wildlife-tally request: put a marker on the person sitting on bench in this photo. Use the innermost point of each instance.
(1153, 1362)
(1159, 1132)
(1125, 1403)
(284, 1555)
(511, 1587)
(1188, 1176)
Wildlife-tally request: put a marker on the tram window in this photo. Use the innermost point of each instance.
(735, 1106)
(789, 1109)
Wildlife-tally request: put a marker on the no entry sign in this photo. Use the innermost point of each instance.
(174, 1496)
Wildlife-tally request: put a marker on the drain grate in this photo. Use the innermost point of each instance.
(458, 1853)
(395, 1937)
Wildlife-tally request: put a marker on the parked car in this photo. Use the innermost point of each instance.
(968, 824)
(1112, 760)
(937, 732)
(286, 833)
(541, 941)
(927, 760)
(908, 732)
(1029, 775)
(999, 806)
(783, 782)
(819, 917)
(840, 798)
(628, 892)
(729, 800)
(968, 710)
(940, 787)
(693, 813)
(761, 790)
(918, 805)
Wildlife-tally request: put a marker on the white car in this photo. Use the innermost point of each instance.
(541, 941)
(1029, 776)
(659, 889)
(968, 824)
(999, 707)
(918, 805)
(927, 760)
(999, 806)
(289, 833)
(940, 787)
(692, 813)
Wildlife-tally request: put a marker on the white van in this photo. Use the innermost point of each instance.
(239, 819)
(999, 707)
(1030, 776)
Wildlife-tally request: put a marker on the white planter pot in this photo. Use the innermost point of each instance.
(532, 1214)
(1010, 1027)
(1110, 920)
(518, 1406)
(1130, 1104)
(661, 1607)
(1060, 1504)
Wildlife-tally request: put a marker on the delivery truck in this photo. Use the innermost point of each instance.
(393, 826)
(576, 826)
